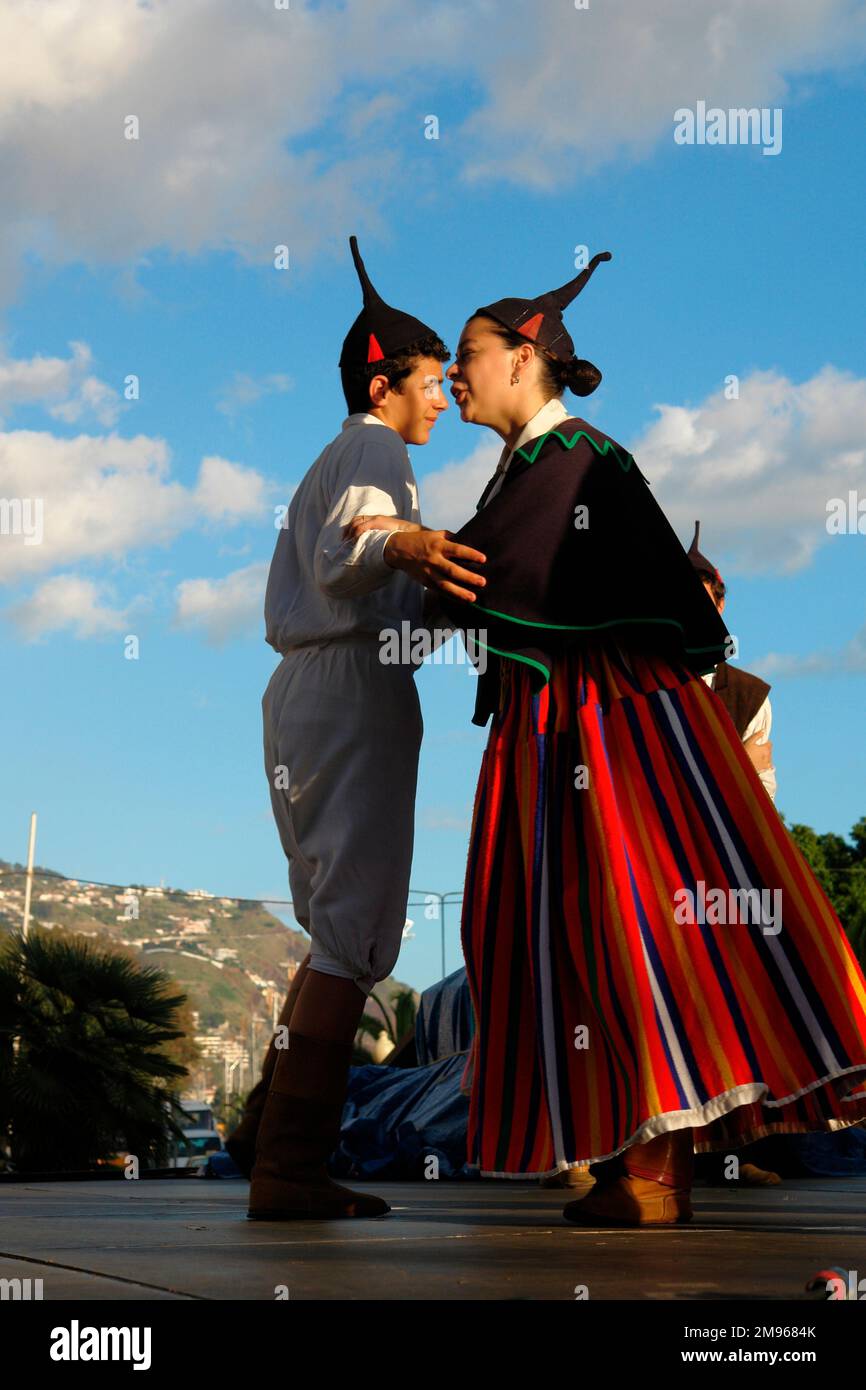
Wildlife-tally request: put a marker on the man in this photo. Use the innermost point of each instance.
(341, 737)
(743, 695)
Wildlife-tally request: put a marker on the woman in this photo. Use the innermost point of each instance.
(653, 966)
(654, 969)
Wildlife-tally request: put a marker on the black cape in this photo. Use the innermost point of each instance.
(620, 573)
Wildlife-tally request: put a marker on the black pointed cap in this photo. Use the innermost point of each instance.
(700, 562)
(540, 319)
(379, 331)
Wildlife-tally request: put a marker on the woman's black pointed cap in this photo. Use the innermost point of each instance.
(379, 331)
(540, 320)
(700, 562)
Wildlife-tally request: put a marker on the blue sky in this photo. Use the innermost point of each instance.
(155, 258)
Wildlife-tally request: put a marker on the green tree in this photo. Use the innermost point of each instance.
(227, 1109)
(87, 1073)
(840, 868)
(396, 1021)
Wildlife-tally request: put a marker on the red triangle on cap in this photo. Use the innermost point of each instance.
(374, 352)
(531, 327)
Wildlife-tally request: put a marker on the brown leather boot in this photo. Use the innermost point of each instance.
(300, 1127)
(241, 1143)
(647, 1185)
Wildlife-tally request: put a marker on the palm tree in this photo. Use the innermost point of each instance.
(87, 1073)
(396, 1021)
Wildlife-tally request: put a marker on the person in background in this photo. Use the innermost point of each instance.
(745, 697)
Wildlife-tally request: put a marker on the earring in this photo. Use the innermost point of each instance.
(514, 379)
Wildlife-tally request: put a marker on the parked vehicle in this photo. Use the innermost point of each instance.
(201, 1138)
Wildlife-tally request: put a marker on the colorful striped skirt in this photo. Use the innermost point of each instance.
(647, 949)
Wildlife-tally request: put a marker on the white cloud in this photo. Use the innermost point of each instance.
(104, 497)
(93, 397)
(760, 471)
(261, 126)
(372, 113)
(63, 385)
(244, 390)
(222, 93)
(609, 78)
(228, 492)
(223, 608)
(849, 659)
(27, 381)
(450, 495)
(66, 601)
(101, 496)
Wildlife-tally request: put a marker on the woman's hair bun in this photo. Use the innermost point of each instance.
(555, 375)
(582, 377)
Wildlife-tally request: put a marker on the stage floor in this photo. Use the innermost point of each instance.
(188, 1239)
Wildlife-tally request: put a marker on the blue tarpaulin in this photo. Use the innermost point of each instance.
(819, 1155)
(444, 1023)
(396, 1119)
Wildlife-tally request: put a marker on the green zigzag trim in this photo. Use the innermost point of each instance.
(607, 448)
(591, 627)
(513, 656)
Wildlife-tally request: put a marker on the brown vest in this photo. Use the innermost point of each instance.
(741, 693)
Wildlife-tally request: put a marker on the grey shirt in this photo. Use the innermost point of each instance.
(321, 586)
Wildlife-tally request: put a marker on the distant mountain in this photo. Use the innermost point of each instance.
(232, 957)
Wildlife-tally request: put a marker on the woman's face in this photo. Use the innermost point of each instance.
(481, 374)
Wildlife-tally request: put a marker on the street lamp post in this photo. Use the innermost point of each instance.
(442, 900)
(28, 882)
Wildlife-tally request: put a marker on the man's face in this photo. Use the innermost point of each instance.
(720, 604)
(413, 409)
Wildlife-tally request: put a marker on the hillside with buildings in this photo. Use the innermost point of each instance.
(232, 957)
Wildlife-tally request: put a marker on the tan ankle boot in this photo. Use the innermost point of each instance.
(299, 1129)
(569, 1177)
(647, 1185)
(753, 1176)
